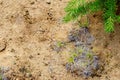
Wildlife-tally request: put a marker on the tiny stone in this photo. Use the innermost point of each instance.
(28, 75)
(38, 53)
(32, 3)
(30, 56)
(2, 46)
(78, 43)
(71, 38)
(48, 2)
(12, 50)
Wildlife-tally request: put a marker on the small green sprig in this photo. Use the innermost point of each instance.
(109, 15)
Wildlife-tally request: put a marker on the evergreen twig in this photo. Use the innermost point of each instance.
(76, 8)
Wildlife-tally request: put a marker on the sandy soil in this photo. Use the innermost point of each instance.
(28, 28)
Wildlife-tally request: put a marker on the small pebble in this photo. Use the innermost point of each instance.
(2, 45)
(48, 2)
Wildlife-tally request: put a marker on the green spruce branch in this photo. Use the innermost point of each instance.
(76, 8)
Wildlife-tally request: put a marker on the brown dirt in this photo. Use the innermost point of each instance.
(28, 28)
